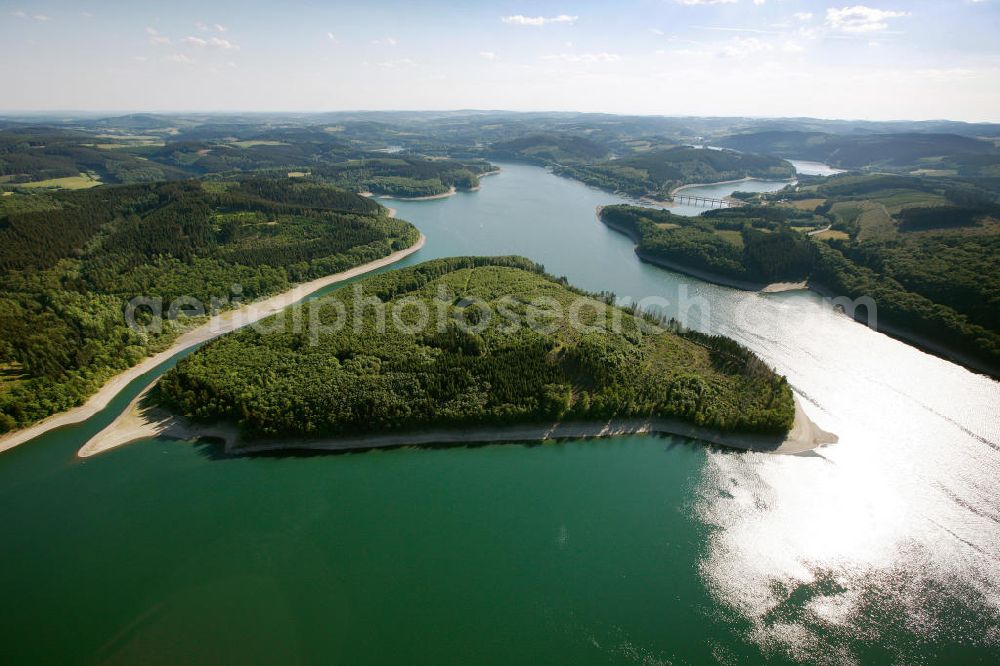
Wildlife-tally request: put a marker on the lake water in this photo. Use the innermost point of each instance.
(722, 191)
(807, 168)
(881, 548)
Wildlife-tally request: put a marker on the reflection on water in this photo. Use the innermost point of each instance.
(890, 536)
(721, 191)
(807, 168)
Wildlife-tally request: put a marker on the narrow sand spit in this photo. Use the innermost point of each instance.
(214, 327)
(141, 421)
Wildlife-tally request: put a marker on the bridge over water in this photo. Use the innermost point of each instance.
(708, 202)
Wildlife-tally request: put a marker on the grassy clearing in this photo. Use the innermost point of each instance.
(667, 225)
(896, 200)
(11, 374)
(262, 142)
(832, 234)
(731, 236)
(934, 172)
(129, 137)
(875, 223)
(131, 144)
(298, 174)
(81, 182)
(806, 204)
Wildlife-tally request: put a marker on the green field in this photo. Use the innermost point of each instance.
(258, 142)
(81, 182)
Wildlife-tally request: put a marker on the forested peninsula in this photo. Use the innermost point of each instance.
(506, 370)
(656, 174)
(70, 261)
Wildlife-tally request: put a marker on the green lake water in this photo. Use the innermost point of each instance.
(882, 548)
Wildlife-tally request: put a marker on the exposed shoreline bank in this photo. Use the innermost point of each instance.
(220, 324)
(480, 176)
(140, 421)
(444, 195)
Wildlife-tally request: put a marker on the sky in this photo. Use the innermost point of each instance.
(881, 60)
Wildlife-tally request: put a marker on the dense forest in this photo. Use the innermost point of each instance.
(493, 369)
(657, 173)
(70, 261)
(43, 154)
(756, 245)
(549, 148)
(404, 176)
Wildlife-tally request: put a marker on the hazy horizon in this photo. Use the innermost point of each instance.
(724, 58)
(67, 113)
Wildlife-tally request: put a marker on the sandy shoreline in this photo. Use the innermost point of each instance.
(218, 325)
(140, 421)
(480, 176)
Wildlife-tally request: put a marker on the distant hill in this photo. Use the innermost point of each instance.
(899, 150)
(39, 154)
(138, 121)
(656, 173)
(549, 148)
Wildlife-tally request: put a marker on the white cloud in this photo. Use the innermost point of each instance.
(214, 42)
(804, 16)
(20, 13)
(204, 27)
(740, 47)
(332, 37)
(709, 2)
(224, 44)
(584, 57)
(159, 40)
(397, 64)
(385, 41)
(488, 55)
(180, 58)
(539, 20)
(860, 18)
